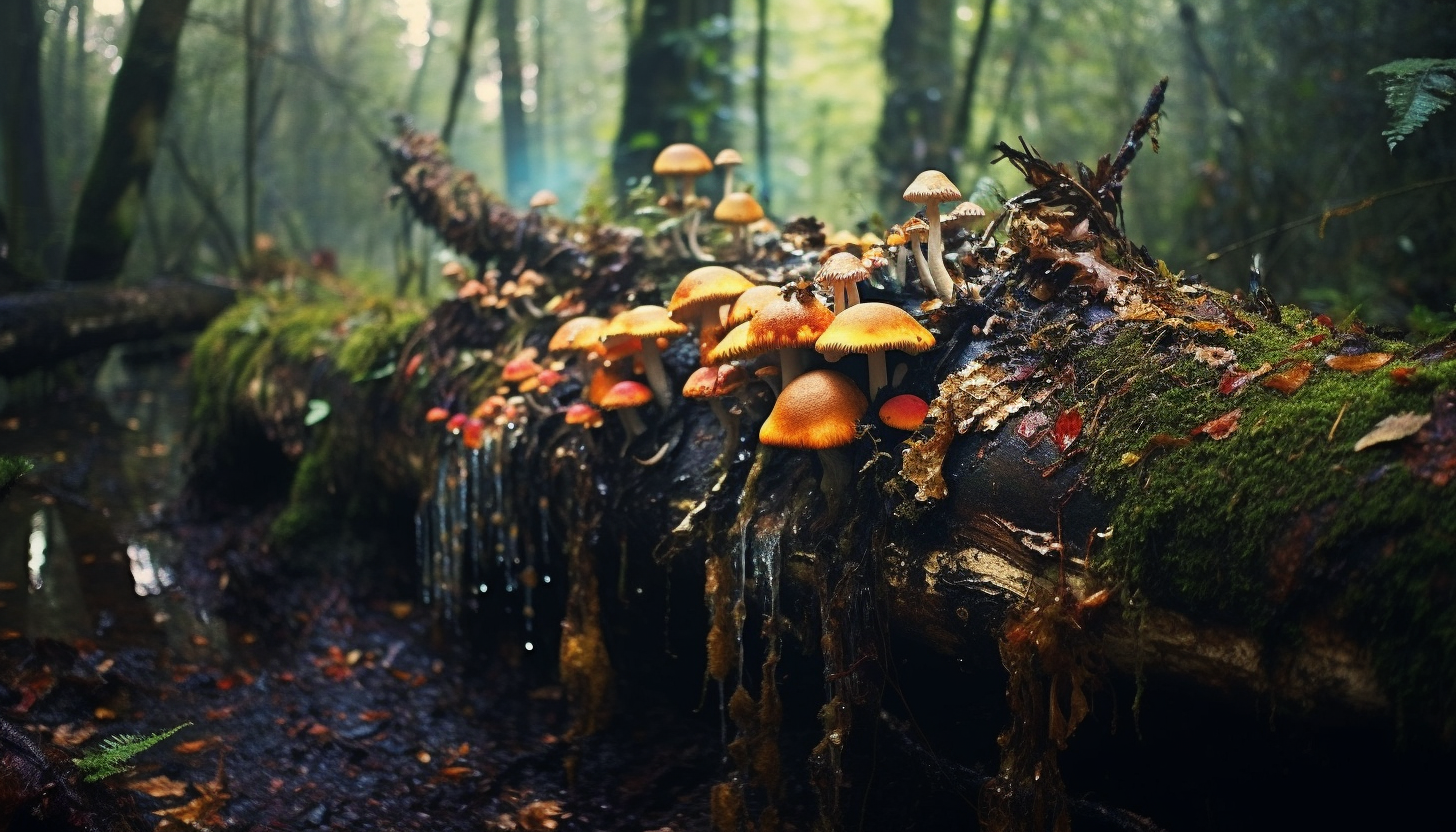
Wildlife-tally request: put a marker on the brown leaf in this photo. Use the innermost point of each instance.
(1234, 380)
(1291, 379)
(159, 786)
(1393, 428)
(1221, 427)
(1362, 363)
(192, 746)
(539, 816)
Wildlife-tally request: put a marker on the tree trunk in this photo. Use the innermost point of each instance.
(110, 205)
(515, 133)
(960, 130)
(914, 132)
(1025, 43)
(47, 326)
(462, 69)
(679, 83)
(760, 106)
(36, 247)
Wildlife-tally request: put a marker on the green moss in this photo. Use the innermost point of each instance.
(1240, 530)
(12, 468)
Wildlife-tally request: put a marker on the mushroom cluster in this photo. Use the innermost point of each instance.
(683, 163)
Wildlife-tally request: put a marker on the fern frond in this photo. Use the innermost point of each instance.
(111, 757)
(1417, 89)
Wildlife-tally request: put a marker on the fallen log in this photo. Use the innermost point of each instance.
(1124, 474)
(45, 326)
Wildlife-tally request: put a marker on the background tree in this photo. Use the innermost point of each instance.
(919, 62)
(35, 250)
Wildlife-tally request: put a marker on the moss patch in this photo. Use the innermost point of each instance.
(12, 468)
(1240, 530)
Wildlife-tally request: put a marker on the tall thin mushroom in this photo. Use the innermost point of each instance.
(930, 189)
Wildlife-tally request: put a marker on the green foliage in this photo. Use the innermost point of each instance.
(1416, 89)
(111, 757)
(13, 468)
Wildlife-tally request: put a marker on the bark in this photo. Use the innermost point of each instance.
(914, 132)
(514, 131)
(49, 325)
(679, 83)
(462, 69)
(110, 205)
(32, 234)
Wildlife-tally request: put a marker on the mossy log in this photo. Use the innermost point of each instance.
(49, 325)
(1199, 487)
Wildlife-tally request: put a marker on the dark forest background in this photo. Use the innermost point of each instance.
(147, 137)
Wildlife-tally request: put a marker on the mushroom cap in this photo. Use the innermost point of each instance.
(904, 412)
(602, 381)
(436, 414)
(873, 327)
(705, 286)
(713, 382)
(683, 159)
(738, 208)
(453, 270)
(896, 237)
(520, 368)
(931, 186)
(728, 156)
(732, 347)
(644, 322)
(626, 394)
(870, 239)
(456, 422)
(750, 302)
(792, 323)
(819, 409)
(581, 413)
(842, 237)
(916, 229)
(963, 213)
(580, 333)
(543, 199)
(842, 269)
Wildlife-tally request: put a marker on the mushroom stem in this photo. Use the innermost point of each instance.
(632, 423)
(935, 253)
(656, 375)
(927, 280)
(690, 230)
(837, 477)
(727, 180)
(791, 365)
(730, 428)
(851, 295)
(900, 261)
(879, 378)
(838, 298)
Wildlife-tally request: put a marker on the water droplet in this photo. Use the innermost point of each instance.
(530, 646)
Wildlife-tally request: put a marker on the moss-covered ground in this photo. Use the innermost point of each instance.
(1244, 529)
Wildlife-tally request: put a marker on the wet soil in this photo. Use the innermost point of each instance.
(312, 705)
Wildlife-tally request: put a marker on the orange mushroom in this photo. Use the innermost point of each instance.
(648, 323)
(700, 299)
(904, 412)
(792, 322)
(871, 329)
(625, 397)
(818, 411)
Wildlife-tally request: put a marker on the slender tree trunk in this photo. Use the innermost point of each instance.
(417, 85)
(760, 104)
(679, 82)
(960, 129)
(80, 110)
(914, 130)
(36, 248)
(1019, 53)
(110, 202)
(250, 127)
(462, 69)
(59, 127)
(513, 113)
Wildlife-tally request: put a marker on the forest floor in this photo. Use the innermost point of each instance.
(310, 706)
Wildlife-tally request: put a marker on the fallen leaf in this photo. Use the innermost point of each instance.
(456, 772)
(1403, 375)
(1214, 356)
(1221, 427)
(1032, 424)
(1067, 429)
(1393, 428)
(539, 816)
(68, 736)
(1291, 379)
(1362, 363)
(192, 746)
(1311, 341)
(159, 786)
(1234, 380)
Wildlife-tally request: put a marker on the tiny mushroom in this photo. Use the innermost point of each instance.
(896, 238)
(842, 273)
(585, 327)
(703, 292)
(727, 159)
(930, 189)
(543, 199)
(918, 230)
(791, 323)
(581, 413)
(456, 422)
(714, 383)
(819, 411)
(904, 412)
(648, 323)
(872, 328)
(625, 397)
(436, 414)
(739, 210)
(687, 161)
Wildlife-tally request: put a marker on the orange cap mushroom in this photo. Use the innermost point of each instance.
(648, 323)
(871, 328)
(626, 397)
(904, 412)
(794, 321)
(842, 272)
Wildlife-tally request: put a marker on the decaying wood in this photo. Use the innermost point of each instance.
(49, 325)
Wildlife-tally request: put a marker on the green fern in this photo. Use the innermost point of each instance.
(111, 757)
(1417, 89)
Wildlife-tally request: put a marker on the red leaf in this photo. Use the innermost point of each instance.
(1221, 427)
(1234, 380)
(1403, 375)
(1311, 341)
(1067, 429)
(1031, 424)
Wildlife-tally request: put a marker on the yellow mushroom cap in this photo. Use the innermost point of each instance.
(728, 156)
(644, 322)
(750, 302)
(916, 229)
(792, 323)
(543, 199)
(705, 286)
(682, 159)
(732, 347)
(579, 333)
(896, 237)
(873, 327)
(931, 186)
(738, 208)
(842, 269)
(904, 412)
(819, 409)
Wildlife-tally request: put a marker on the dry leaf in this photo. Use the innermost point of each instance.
(539, 816)
(1362, 363)
(159, 786)
(1234, 380)
(1221, 427)
(1393, 428)
(70, 736)
(1291, 379)
(1214, 356)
